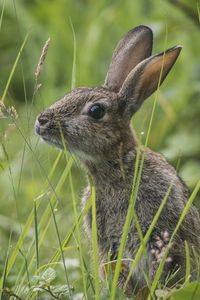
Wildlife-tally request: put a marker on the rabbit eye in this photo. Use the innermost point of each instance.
(96, 111)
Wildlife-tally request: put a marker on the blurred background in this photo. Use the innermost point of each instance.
(98, 25)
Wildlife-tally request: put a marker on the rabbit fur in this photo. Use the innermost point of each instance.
(95, 124)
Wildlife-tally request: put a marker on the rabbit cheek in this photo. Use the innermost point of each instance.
(74, 139)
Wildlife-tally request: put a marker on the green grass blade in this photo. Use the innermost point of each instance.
(95, 244)
(79, 238)
(186, 208)
(187, 267)
(14, 67)
(73, 82)
(27, 226)
(68, 237)
(26, 267)
(36, 235)
(184, 212)
(30, 260)
(3, 279)
(125, 230)
(198, 10)
(2, 12)
(60, 246)
(45, 219)
(149, 231)
(19, 244)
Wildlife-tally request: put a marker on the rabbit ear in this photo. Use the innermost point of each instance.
(134, 47)
(144, 79)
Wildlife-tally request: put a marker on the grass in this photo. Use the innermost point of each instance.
(45, 186)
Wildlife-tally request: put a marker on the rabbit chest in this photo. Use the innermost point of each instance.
(111, 210)
(113, 198)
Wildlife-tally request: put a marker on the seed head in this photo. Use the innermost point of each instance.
(42, 58)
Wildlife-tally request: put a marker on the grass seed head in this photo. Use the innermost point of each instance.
(42, 58)
(7, 112)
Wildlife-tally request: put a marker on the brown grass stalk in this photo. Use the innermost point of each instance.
(42, 58)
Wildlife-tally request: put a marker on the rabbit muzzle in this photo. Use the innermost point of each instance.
(42, 124)
(48, 128)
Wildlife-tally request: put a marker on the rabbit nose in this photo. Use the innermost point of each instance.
(43, 118)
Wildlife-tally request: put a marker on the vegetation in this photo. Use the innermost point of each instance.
(44, 251)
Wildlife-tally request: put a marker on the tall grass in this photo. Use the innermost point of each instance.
(52, 231)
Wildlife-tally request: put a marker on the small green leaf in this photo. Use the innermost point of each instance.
(190, 292)
(60, 290)
(49, 275)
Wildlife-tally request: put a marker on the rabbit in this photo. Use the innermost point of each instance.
(94, 123)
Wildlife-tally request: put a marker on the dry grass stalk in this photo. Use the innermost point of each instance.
(7, 112)
(42, 58)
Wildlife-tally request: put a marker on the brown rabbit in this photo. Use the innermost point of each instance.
(95, 124)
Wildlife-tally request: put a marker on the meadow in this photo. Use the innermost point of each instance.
(44, 252)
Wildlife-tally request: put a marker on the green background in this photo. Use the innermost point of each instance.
(98, 27)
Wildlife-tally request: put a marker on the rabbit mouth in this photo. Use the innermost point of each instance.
(38, 127)
(43, 132)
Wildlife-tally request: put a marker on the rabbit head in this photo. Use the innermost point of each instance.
(93, 122)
